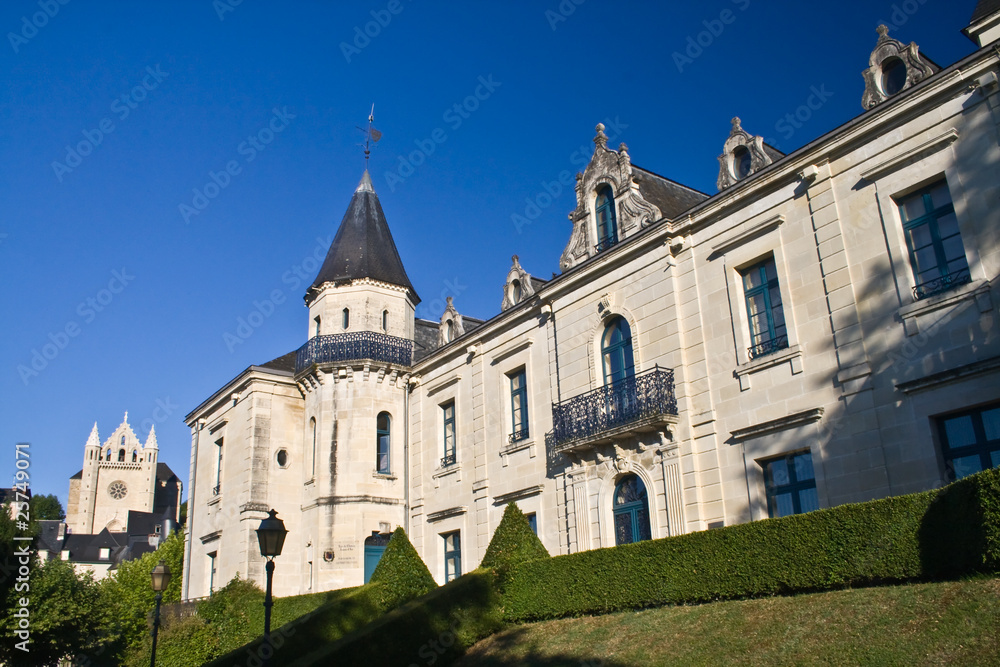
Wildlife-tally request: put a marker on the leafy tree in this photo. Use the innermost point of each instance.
(46, 508)
(66, 615)
(182, 514)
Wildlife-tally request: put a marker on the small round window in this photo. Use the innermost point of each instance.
(117, 490)
(282, 458)
(741, 162)
(893, 76)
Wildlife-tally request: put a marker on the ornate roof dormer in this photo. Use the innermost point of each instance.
(742, 155)
(518, 286)
(626, 206)
(451, 325)
(892, 68)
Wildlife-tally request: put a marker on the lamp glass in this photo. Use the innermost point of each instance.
(161, 577)
(271, 535)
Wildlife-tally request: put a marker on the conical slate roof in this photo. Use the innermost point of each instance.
(363, 246)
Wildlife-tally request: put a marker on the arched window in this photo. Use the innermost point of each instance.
(517, 292)
(631, 511)
(382, 442)
(135, 456)
(449, 331)
(742, 162)
(347, 318)
(108, 457)
(121, 455)
(123, 441)
(385, 320)
(317, 321)
(616, 350)
(312, 427)
(607, 224)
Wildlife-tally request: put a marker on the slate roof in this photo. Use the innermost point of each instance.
(285, 362)
(984, 9)
(163, 472)
(670, 197)
(363, 246)
(10, 495)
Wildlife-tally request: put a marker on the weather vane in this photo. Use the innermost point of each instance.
(371, 136)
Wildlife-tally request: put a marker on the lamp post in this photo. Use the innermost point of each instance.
(161, 579)
(271, 536)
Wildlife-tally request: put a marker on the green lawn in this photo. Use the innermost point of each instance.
(955, 623)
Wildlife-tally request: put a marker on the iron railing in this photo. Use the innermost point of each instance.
(354, 346)
(448, 460)
(613, 406)
(517, 436)
(942, 284)
(217, 489)
(606, 243)
(767, 347)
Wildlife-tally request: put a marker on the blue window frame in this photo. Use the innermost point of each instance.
(518, 406)
(971, 441)
(374, 548)
(448, 413)
(452, 555)
(933, 240)
(631, 511)
(765, 311)
(347, 318)
(382, 440)
(790, 484)
(607, 223)
(312, 427)
(533, 522)
(616, 351)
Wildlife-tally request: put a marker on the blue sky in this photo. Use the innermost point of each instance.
(169, 168)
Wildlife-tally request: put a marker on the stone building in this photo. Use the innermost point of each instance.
(822, 330)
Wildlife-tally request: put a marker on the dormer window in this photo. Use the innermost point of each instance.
(742, 162)
(517, 292)
(449, 331)
(743, 155)
(892, 68)
(607, 224)
(893, 76)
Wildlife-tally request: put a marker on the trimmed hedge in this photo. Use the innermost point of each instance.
(513, 541)
(401, 569)
(945, 533)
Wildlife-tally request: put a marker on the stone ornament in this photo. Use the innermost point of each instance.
(451, 325)
(518, 286)
(633, 211)
(742, 155)
(892, 68)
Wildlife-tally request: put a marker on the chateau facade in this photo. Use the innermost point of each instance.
(822, 330)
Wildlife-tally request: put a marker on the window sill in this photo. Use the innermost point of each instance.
(979, 290)
(214, 500)
(791, 354)
(384, 475)
(440, 473)
(518, 446)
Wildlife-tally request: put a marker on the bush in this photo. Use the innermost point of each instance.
(944, 533)
(513, 541)
(401, 571)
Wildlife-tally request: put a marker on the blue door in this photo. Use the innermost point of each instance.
(372, 556)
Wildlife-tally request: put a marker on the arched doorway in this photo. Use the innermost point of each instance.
(374, 546)
(631, 511)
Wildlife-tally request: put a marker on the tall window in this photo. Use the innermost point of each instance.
(532, 521)
(764, 309)
(616, 350)
(211, 570)
(347, 318)
(316, 325)
(518, 406)
(607, 225)
(937, 255)
(312, 428)
(790, 484)
(452, 555)
(382, 443)
(448, 413)
(121, 455)
(385, 320)
(218, 469)
(971, 441)
(631, 511)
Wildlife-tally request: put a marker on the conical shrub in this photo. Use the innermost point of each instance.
(513, 541)
(401, 571)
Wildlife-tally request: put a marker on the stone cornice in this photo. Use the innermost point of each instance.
(779, 424)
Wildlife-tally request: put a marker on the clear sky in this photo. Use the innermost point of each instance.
(169, 168)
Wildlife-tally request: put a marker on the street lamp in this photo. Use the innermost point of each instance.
(161, 579)
(271, 536)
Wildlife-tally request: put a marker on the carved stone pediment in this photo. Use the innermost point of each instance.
(892, 68)
(633, 211)
(740, 147)
(518, 286)
(451, 326)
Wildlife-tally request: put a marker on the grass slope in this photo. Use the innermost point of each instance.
(919, 624)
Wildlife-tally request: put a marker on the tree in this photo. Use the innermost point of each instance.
(46, 507)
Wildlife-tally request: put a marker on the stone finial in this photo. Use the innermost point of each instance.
(94, 440)
(883, 32)
(151, 439)
(623, 148)
(601, 139)
(516, 260)
(737, 127)
(449, 300)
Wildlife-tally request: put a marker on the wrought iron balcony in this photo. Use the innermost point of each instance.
(354, 347)
(767, 347)
(942, 284)
(448, 460)
(606, 243)
(518, 436)
(217, 489)
(638, 403)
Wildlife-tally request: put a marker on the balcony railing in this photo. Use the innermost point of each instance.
(353, 347)
(517, 436)
(608, 242)
(448, 460)
(645, 398)
(767, 347)
(942, 284)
